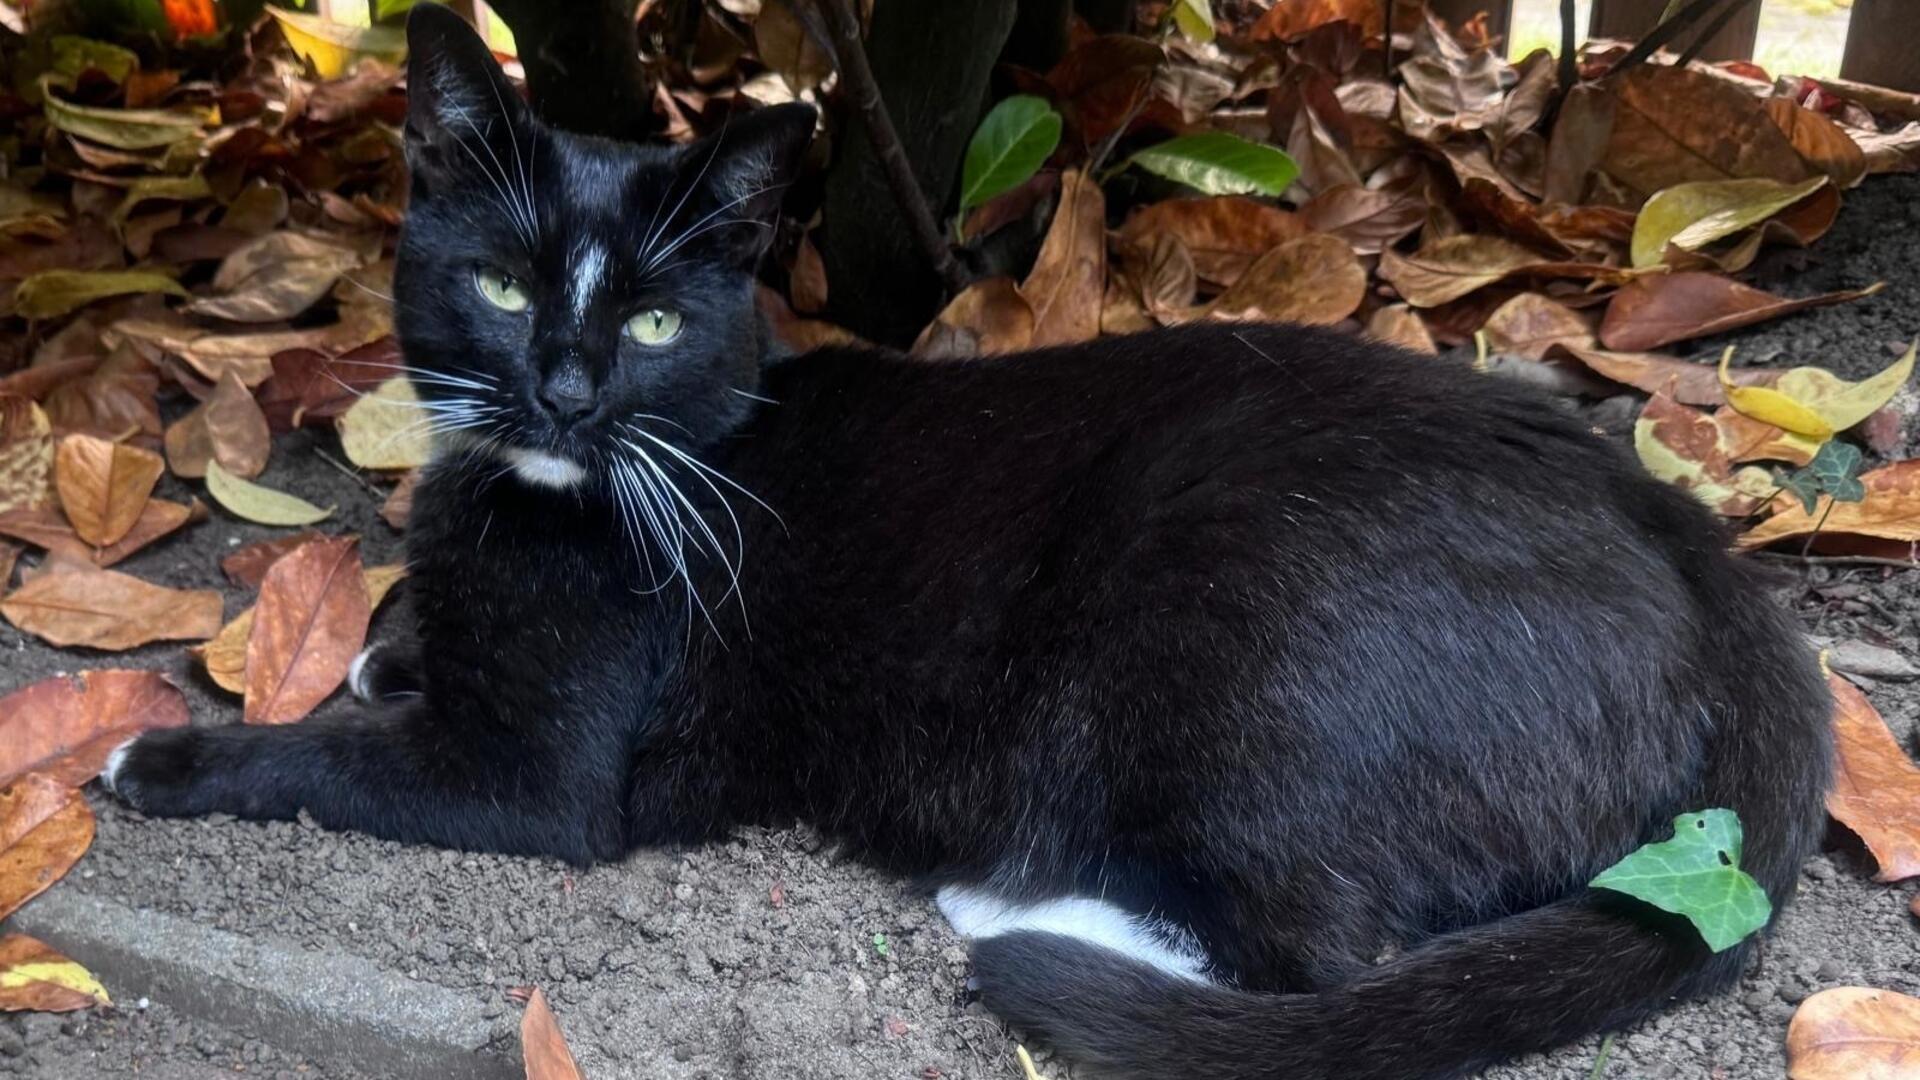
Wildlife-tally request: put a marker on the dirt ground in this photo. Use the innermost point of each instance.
(767, 957)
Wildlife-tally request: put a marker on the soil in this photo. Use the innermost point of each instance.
(768, 957)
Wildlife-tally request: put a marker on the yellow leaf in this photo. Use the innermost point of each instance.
(35, 977)
(381, 580)
(1691, 216)
(225, 657)
(1840, 403)
(1770, 406)
(56, 292)
(386, 429)
(257, 503)
(333, 47)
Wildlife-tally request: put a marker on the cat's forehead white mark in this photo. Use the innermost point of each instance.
(589, 268)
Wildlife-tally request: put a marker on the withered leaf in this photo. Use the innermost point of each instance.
(250, 355)
(26, 454)
(1399, 324)
(310, 621)
(311, 386)
(45, 528)
(105, 609)
(1673, 126)
(225, 655)
(1821, 143)
(1659, 309)
(1450, 268)
(1069, 278)
(1891, 511)
(46, 841)
(987, 318)
(1223, 234)
(113, 398)
(1854, 1033)
(247, 566)
(399, 505)
(542, 1047)
(103, 485)
(1313, 279)
(1683, 447)
(276, 277)
(1370, 220)
(1530, 325)
(228, 427)
(1876, 789)
(36, 978)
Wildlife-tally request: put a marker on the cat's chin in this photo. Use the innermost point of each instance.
(541, 469)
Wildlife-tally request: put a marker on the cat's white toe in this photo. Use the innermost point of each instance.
(357, 674)
(110, 775)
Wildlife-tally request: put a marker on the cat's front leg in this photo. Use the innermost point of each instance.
(407, 774)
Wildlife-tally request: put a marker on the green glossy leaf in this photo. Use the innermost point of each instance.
(56, 292)
(1219, 163)
(1691, 216)
(1696, 874)
(1194, 18)
(1013, 141)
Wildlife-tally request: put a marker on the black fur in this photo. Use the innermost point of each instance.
(1324, 652)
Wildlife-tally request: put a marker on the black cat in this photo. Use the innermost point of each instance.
(1259, 700)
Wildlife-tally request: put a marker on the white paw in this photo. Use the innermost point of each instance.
(115, 761)
(357, 674)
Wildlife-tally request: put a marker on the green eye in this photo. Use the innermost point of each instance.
(655, 327)
(502, 290)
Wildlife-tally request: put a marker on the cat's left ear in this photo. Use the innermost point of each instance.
(746, 168)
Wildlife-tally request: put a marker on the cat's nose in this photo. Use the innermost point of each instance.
(567, 396)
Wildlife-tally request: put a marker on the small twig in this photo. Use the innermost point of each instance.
(1836, 560)
(1106, 148)
(1713, 29)
(1659, 36)
(1600, 1062)
(850, 57)
(351, 473)
(1387, 61)
(1807, 548)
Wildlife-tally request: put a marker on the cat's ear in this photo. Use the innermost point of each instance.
(454, 87)
(746, 168)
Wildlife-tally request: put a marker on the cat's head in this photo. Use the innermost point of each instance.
(563, 299)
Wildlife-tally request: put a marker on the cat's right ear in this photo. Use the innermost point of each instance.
(455, 90)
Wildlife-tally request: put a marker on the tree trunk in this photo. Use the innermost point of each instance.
(583, 64)
(932, 62)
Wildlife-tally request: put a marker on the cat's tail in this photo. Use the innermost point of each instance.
(1460, 1002)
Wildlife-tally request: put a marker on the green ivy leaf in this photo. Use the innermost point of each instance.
(1013, 141)
(1696, 874)
(1195, 19)
(1803, 486)
(1837, 468)
(1219, 163)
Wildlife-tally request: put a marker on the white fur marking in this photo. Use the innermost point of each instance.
(115, 762)
(357, 674)
(587, 272)
(976, 914)
(542, 469)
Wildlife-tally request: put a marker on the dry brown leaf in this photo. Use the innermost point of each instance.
(228, 427)
(1891, 511)
(1069, 278)
(399, 505)
(250, 356)
(989, 317)
(1450, 268)
(1663, 308)
(36, 978)
(381, 580)
(1675, 126)
(113, 398)
(9, 554)
(47, 529)
(1683, 447)
(247, 566)
(309, 622)
(1685, 381)
(1162, 271)
(311, 386)
(1530, 325)
(1876, 789)
(1370, 220)
(1314, 279)
(275, 277)
(105, 609)
(1398, 324)
(26, 454)
(1820, 142)
(1224, 234)
(1854, 1033)
(103, 485)
(46, 840)
(1295, 19)
(542, 1047)
(225, 656)
(1579, 142)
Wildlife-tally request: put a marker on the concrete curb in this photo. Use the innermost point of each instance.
(341, 1011)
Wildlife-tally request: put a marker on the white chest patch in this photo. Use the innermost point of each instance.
(977, 914)
(542, 469)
